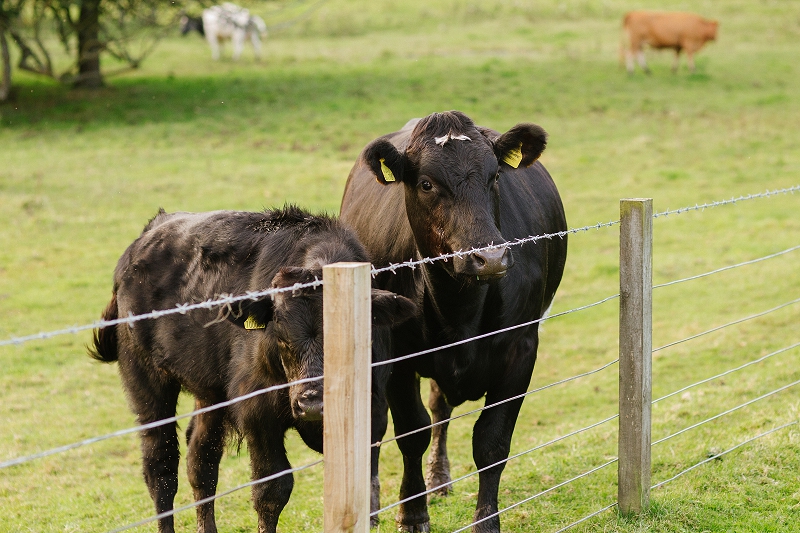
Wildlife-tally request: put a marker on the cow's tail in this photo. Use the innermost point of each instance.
(104, 344)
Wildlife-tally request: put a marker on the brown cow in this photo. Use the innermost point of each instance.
(679, 31)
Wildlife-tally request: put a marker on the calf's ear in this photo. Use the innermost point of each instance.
(521, 145)
(251, 314)
(385, 161)
(390, 309)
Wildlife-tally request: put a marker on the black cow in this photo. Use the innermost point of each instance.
(220, 354)
(442, 185)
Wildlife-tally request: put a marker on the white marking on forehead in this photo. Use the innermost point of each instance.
(441, 140)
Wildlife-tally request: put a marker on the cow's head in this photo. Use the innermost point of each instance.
(291, 322)
(711, 29)
(451, 171)
(189, 24)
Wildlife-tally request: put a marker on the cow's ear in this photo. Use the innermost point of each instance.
(521, 145)
(251, 314)
(390, 309)
(385, 161)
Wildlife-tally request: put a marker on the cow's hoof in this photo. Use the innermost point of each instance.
(424, 527)
(374, 522)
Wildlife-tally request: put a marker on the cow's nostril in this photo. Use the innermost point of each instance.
(480, 260)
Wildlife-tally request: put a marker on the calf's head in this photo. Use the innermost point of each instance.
(291, 322)
(451, 171)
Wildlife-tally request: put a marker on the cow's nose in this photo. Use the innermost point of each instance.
(486, 264)
(309, 405)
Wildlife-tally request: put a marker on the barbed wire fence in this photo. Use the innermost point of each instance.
(227, 300)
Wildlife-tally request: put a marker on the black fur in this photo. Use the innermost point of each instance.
(187, 258)
(459, 195)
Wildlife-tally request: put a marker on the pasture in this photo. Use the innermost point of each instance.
(82, 172)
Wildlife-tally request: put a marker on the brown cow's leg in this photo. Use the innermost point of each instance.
(690, 60)
(642, 61)
(205, 437)
(438, 464)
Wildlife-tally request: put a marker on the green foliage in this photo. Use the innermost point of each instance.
(81, 173)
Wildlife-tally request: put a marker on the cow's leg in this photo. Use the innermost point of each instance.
(267, 457)
(237, 39)
(213, 42)
(256, 40)
(153, 398)
(438, 475)
(409, 414)
(676, 61)
(629, 61)
(491, 437)
(205, 437)
(690, 60)
(642, 61)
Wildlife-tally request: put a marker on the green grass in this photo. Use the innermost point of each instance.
(81, 173)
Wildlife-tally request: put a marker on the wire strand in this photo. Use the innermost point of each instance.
(152, 425)
(731, 371)
(493, 465)
(198, 503)
(716, 456)
(723, 269)
(491, 333)
(693, 426)
(524, 394)
(546, 491)
(739, 321)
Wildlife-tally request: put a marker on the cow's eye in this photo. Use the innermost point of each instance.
(426, 185)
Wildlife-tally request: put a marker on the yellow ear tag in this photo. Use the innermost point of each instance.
(513, 157)
(252, 323)
(387, 172)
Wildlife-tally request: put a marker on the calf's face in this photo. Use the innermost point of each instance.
(292, 320)
(451, 171)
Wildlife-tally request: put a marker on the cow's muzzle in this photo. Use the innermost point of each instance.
(308, 406)
(484, 265)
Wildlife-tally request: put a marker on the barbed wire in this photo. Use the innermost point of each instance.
(731, 371)
(542, 493)
(750, 402)
(178, 309)
(493, 465)
(716, 456)
(738, 321)
(702, 207)
(479, 409)
(198, 503)
(157, 423)
(255, 295)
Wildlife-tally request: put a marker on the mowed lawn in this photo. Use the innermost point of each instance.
(82, 172)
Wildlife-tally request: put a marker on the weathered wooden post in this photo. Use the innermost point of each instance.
(348, 389)
(635, 353)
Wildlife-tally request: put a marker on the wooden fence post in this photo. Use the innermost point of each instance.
(635, 353)
(348, 391)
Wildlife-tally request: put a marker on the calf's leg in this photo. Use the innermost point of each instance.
(268, 457)
(205, 437)
(438, 475)
(154, 397)
(380, 421)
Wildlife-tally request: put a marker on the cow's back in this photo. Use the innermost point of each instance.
(667, 29)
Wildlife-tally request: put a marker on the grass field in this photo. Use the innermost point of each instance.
(81, 173)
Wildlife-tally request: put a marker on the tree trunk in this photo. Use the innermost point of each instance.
(89, 46)
(5, 80)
